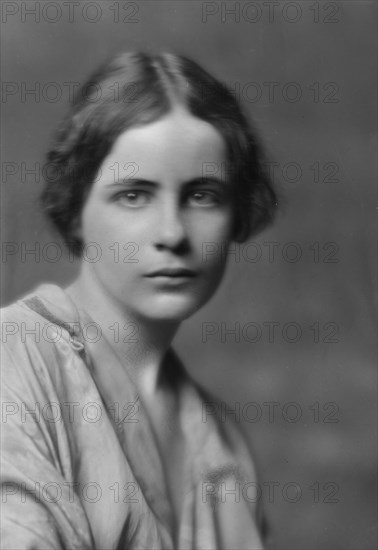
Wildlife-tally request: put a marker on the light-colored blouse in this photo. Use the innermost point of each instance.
(82, 472)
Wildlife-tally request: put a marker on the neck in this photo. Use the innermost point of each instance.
(141, 344)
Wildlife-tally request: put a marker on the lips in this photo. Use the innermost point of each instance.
(172, 272)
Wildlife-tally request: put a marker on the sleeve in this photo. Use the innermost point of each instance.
(40, 508)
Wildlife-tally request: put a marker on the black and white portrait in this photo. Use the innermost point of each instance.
(188, 267)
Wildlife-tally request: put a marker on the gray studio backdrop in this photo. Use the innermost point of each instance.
(288, 339)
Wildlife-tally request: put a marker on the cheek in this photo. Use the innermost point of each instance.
(99, 233)
(215, 229)
(98, 226)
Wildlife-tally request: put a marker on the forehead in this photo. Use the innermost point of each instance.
(178, 145)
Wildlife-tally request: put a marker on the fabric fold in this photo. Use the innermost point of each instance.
(101, 451)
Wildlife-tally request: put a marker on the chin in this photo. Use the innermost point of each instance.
(172, 309)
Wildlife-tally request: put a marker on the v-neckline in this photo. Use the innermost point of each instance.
(135, 434)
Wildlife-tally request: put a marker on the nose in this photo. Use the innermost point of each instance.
(170, 228)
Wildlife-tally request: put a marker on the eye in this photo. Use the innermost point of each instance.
(203, 198)
(133, 199)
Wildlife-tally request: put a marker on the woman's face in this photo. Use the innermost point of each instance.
(150, 212)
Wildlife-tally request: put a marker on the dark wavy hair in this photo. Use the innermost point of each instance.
(137, 88)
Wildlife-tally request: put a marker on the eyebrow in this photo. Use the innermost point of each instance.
(195, 182)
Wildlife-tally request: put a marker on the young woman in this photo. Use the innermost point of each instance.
(106, 443)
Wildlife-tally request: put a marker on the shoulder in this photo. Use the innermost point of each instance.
(38, 338)
(39, 444)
